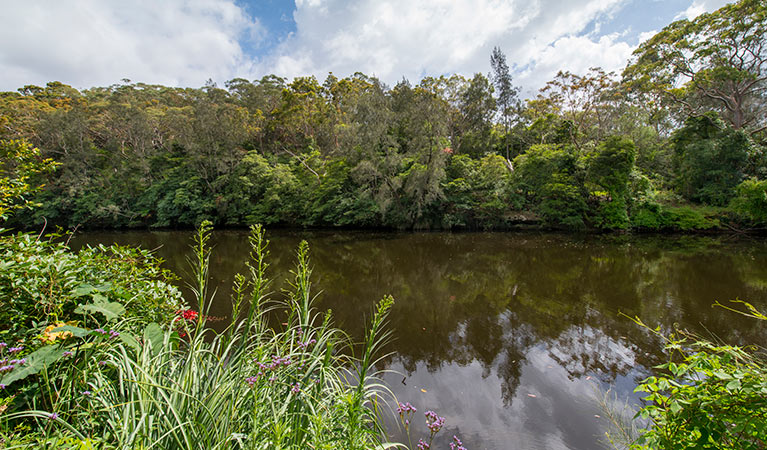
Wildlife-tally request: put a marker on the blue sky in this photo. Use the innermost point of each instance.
(89, 43)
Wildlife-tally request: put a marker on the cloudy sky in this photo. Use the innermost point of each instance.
(89, 43)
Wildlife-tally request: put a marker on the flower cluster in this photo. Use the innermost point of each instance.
(112, 333)
(50, 336)
(275, 364)
(405, 411)
(296, 388)
(457, 444)
(188, 314)
(7, 365)
(307, 343)
(434, 422)
(423, 445)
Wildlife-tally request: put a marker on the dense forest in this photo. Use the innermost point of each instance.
(677, 141)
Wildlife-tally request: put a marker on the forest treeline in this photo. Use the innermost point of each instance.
(677, 141)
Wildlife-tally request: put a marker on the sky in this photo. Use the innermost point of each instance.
(87, 43)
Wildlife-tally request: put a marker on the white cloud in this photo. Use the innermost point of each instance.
(699, 7)
(392, 39)
(184, 42)
(93, 42)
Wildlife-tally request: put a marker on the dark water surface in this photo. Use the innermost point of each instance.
(509, 335)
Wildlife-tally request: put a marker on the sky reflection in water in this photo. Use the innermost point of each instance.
(509, 334)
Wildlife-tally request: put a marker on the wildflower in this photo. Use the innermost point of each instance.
(86, 393)
(456, 444)
(405, 408)
(53, 416)
(113, 334)
(100, 331)
(102, 363)
(188, 314)
(2, 387)
(3, 345)
(251, 381)
(296, 388)
(434, 422)
(15, 349)
(50, 336)
(423, 445)
(68, 353)
(7, 368)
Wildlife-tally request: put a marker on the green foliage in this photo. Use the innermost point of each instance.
(610, 168)
(706, 396)
(552, 178)
(709, 159)
(19, 164)
(751, 200)
(43, 283)
(184, 386)
(718, 57)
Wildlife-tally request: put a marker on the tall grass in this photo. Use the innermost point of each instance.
(247, 387)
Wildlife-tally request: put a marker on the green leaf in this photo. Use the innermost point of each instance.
(130, 341)
(76, 331)
(36, 361)
(154, 336)
(82, 290)
(675, 407)
(110, 310)
(733, 385)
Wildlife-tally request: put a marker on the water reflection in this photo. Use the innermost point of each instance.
(507, 334)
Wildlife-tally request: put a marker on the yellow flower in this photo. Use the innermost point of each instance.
(50, 336)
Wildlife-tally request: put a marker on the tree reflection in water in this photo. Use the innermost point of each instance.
(507, 333)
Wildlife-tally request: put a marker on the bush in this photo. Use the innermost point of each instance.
(751, 200)
(43, 282)
(708, 396)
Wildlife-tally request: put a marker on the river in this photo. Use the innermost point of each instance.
(512, 337)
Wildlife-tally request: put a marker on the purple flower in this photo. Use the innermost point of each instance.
(422, 445)
(113, 334)
(53, 416)
(457, 444)
(405, 408)
(7, 368)
(3, 345)
(15, 349)
(100, 331)
(251, 381)
(102, 363)
(296, 388)
(68, 353)
(434, 422)
(86, 393)
(2, 386)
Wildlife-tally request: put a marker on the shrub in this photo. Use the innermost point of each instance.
(751, 200)
(707, 396)
(43, 282)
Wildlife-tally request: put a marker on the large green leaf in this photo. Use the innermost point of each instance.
(110, 310)
(36, 361)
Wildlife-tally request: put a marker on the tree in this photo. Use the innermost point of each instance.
(718, 60)
(507, 93)
(19, 162)
(588, 102)
(709, 158)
